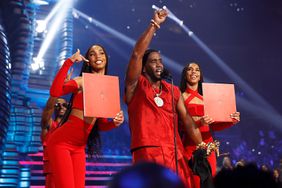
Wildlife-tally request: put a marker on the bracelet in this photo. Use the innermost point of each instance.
(202, 145)
(154, 23)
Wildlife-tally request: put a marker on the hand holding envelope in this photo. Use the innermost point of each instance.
(118, 119)
(219, 103)
(101, 96)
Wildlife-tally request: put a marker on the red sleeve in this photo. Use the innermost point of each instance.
(59, 87)
(105, 125)
(221, 125)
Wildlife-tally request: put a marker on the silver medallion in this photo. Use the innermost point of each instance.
(159, 101)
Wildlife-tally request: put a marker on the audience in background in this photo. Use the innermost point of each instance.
(247, 176)
(240, 163)
(264, 168)
(277, 177)
(226, 163)
(146, 175)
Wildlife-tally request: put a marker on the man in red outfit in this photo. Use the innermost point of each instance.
(152, 112)
(57, 106)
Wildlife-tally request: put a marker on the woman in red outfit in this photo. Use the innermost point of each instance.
(191, 88)
(66, 145)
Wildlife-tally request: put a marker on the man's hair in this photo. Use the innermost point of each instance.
(146, 55)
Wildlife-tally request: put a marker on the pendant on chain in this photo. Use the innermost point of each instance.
(159, 101)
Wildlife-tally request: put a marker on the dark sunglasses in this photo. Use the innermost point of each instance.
(60, 105)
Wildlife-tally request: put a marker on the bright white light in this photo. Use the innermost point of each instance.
(38, 63)
(154, 7)
(34, 66)
(106, 28)
(41, 26)
(57, 7)
(75, 15)
(55, 25)
(40, 2)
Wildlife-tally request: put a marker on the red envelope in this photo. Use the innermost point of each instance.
(219, 101)
(101, 95)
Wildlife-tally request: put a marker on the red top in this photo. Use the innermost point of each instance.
(194, 109)
(149, 124)
(198, 110)
(59, 87)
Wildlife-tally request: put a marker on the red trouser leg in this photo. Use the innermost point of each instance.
(79, 166)
(49, 182)
(212, 161)
(66, 151)
(62, 167)
(68, 165)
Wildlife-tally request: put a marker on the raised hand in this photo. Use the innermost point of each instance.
(77, 57)
(118, 120)
(160, 16)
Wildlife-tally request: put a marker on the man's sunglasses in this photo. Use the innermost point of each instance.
(60, 105)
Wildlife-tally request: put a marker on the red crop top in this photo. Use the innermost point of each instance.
(198, 110)
(194, 109)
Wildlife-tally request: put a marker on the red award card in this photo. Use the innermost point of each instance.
(101, 95)
(219, 101)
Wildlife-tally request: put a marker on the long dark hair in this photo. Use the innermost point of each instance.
(183, 82)
(94, 140)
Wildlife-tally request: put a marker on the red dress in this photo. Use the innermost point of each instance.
(189, 145)
(151, 127)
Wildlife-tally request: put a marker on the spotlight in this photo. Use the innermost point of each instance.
(40, 2)
(74, 14)
(41, 26)
(38, 63)
(59, 12)
(34, 66)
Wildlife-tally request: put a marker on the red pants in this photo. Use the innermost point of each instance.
(66, 152)
(49, 182)
(163, 156)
